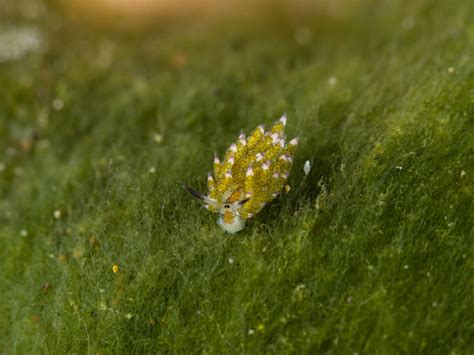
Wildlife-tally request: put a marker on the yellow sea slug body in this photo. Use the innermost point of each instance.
(252, 173)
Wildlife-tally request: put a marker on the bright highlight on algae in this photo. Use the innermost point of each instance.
(253, 173)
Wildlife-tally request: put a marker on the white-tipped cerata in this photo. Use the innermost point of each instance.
(249, 171)
(294, 141)
(266, 165)
(285, 157)
(275, 137)
(258, 157)
(283, 119)
(233, 147)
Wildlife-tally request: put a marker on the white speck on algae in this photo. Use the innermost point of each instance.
(16, 42)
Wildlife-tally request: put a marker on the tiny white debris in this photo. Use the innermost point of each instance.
(43, 144)
(299, 287)
(15, 43)
(435, 304)
(398, 167)
(58, 104)
(332, 81)
(11, 151)
(405, 267)
(152, 170)
(408, 23)
(157, 138)
(43, 119)
(129, 316)
(307, 167)
(57, 214)
(251, 332)
(463, 172)
(231, 260)
(450, 70)
(24, 233)
(370, 267)
(303, 36)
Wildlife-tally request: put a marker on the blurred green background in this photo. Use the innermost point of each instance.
(106, 108)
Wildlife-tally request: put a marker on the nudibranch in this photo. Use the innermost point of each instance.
(252, 173)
